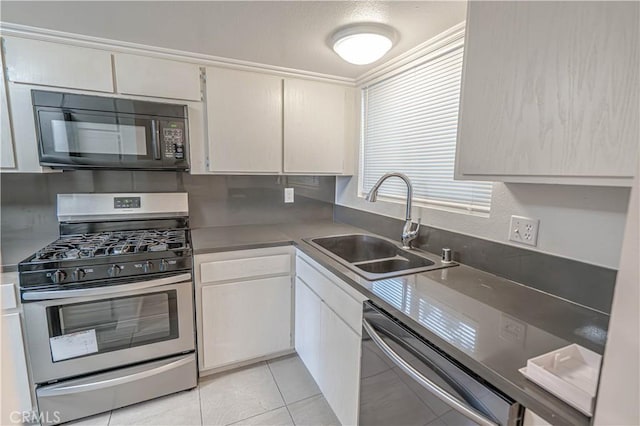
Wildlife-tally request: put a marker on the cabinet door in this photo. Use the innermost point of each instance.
(245, 320)
(244, 112)
(24, 130)
(550, 91)
(16, 395)
(162, 78)
(340, 366)
(59, 65)
(7, 159)
(308, 328)
(315, 126)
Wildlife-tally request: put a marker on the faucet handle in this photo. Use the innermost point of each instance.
(417, 228)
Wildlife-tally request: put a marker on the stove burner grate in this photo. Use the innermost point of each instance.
(113, 244)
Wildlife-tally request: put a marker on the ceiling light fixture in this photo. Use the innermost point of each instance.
(362, 44)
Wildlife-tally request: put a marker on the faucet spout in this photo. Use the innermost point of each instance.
(408, 233)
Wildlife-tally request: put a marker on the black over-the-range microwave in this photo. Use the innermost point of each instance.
(95, 132)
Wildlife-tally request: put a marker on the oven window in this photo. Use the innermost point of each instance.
(85, 137)
(82, 329)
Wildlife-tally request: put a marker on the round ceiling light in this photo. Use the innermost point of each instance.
(363, 44)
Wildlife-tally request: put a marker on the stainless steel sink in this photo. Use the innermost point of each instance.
(375, 258)
(357, 247)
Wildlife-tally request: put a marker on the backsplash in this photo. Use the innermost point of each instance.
(29, 220)
(579, 282)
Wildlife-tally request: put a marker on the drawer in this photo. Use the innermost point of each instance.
(8, 294)
(342, 303)
(239, 269)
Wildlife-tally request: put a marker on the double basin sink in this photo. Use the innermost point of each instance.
(375, 258)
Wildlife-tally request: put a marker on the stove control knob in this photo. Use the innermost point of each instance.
(114, 270)
(58, 276)
(148, 266)
(163, 265)
(78, 274)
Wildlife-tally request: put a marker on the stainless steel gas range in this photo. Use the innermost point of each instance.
(109, 305)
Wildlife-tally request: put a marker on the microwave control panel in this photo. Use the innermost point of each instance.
(173, 141)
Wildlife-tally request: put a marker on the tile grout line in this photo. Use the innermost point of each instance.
(286, 405)
(255, 415)
(273, 376)
(290, 415)
(200, 403)
(308, 397)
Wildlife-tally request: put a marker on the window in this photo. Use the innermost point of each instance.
(409, 125)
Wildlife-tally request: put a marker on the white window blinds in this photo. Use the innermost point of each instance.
(409, 126)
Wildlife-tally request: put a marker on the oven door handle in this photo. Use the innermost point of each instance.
(103, 291)
(109, 383)
(440, 393)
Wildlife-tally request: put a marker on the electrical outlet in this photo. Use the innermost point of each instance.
(288, 195)
(524, 230)
(512, 329)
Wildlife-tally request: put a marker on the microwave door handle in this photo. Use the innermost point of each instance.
(440, 393)
(155, 139)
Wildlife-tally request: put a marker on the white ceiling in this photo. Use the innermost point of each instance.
(290, 34)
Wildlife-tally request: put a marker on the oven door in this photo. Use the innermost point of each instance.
(80, 331)
(76, 139)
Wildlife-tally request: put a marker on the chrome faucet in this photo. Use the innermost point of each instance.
(408, 233)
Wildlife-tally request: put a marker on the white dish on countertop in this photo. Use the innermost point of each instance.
(571, 373)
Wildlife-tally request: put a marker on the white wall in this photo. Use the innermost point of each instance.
(619, 392)
(576, 222)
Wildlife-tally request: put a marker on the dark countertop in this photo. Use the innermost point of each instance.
(505, 323)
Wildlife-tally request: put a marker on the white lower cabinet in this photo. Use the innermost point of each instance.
(243, 306)
(340, 366)
(16, 392)
(308, 328)
(245, 320)
(325, 341)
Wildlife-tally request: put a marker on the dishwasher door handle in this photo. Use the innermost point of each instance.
(440, 393)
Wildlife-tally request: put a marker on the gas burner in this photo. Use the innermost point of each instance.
(116, 243)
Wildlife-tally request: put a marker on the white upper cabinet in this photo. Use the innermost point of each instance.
(160, 78)
(57, 65)
(25, 140)
(244, 111)
(255, 120)
(317, 131)
(7, 159)
(550, 93)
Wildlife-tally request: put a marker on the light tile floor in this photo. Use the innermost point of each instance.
(277, 392)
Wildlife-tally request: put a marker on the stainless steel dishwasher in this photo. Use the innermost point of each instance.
(405, 380)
